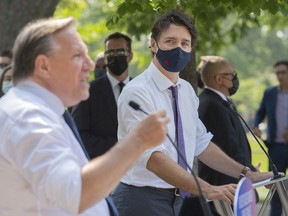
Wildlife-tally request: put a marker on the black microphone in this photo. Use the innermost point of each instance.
(273, 167)
(205, 208)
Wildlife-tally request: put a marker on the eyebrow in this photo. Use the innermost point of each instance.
(171, 37)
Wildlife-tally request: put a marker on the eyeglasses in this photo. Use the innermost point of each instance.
(116, 52)
(233, 74)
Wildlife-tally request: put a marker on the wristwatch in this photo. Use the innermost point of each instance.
(244, 172)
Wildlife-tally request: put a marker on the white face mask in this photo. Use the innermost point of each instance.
(6, 85)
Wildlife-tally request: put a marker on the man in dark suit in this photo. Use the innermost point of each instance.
(96, 118)
(274, 106)
(220, 81)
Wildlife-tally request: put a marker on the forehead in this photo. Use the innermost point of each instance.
(177, 32)
(116, 43)
(69, 40)
(5, 60)
(227, 66)
(281, 67)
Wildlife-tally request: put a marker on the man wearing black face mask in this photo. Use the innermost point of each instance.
(220, 81)
(96, 118)
(159, 181)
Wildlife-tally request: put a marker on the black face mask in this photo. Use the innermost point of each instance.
(235, 86)
(117, 64)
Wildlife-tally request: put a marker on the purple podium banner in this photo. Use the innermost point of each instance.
(245, 200)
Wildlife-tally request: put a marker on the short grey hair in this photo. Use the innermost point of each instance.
(33, 40)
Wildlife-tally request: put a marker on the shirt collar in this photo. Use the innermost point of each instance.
(217, 92)
(48, 98)
(114, 82)
(160, 80)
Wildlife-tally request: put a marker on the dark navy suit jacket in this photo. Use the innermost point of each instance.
(96, 118)
(268, 108)
(228, 134)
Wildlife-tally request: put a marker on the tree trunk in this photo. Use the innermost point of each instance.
(189, 72)
(14, 14)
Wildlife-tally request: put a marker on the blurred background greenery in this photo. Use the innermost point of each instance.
(252, 43)
(251, 34)
(258, 156)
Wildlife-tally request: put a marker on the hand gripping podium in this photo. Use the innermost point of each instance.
(280, 185)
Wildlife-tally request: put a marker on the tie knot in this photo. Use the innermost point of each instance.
(174, 90)
(121, 86)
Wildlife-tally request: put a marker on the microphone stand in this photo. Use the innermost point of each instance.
(205, 208)
(272, 165)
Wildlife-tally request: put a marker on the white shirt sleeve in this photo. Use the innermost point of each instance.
(39, 151)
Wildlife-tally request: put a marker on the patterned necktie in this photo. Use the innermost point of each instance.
(179, 134)
(70, 122)
(121, 86)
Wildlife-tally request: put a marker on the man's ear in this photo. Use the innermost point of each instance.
(153, 45)
(218, 78)
(42, 66)
(130, 57)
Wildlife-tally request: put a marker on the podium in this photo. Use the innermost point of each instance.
(280, 185)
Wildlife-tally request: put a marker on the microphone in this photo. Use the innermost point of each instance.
(273, 167)
(205, 208)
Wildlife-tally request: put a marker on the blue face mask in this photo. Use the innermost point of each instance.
(6, 85)
(174, 60)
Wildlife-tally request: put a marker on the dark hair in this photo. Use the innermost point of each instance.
(6, 53)
(118, 35)
(282, 62)
(176, 17)
(35, 39)
(7, 68)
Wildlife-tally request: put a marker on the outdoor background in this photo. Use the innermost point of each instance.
(251, 34)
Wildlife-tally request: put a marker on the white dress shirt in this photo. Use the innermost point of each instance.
(40, 158)
(218, 92)
(150, 91)
(114, 84)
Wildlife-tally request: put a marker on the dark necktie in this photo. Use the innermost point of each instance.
(112, 207)
(121, 86)
(179, 134)
(70, 122)
(231, 104)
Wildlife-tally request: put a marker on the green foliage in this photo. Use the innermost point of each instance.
(219, 22)
(251, 34)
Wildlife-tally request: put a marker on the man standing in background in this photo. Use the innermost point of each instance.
(5, 59)
(96, 118)
(220, 82)
(274, 106)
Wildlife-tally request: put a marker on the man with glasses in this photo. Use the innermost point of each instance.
(274, 106)
(96, 118)
(5, 59)
(220, 82)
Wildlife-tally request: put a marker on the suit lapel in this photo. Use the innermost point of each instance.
(273, 101)
(109, 98)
